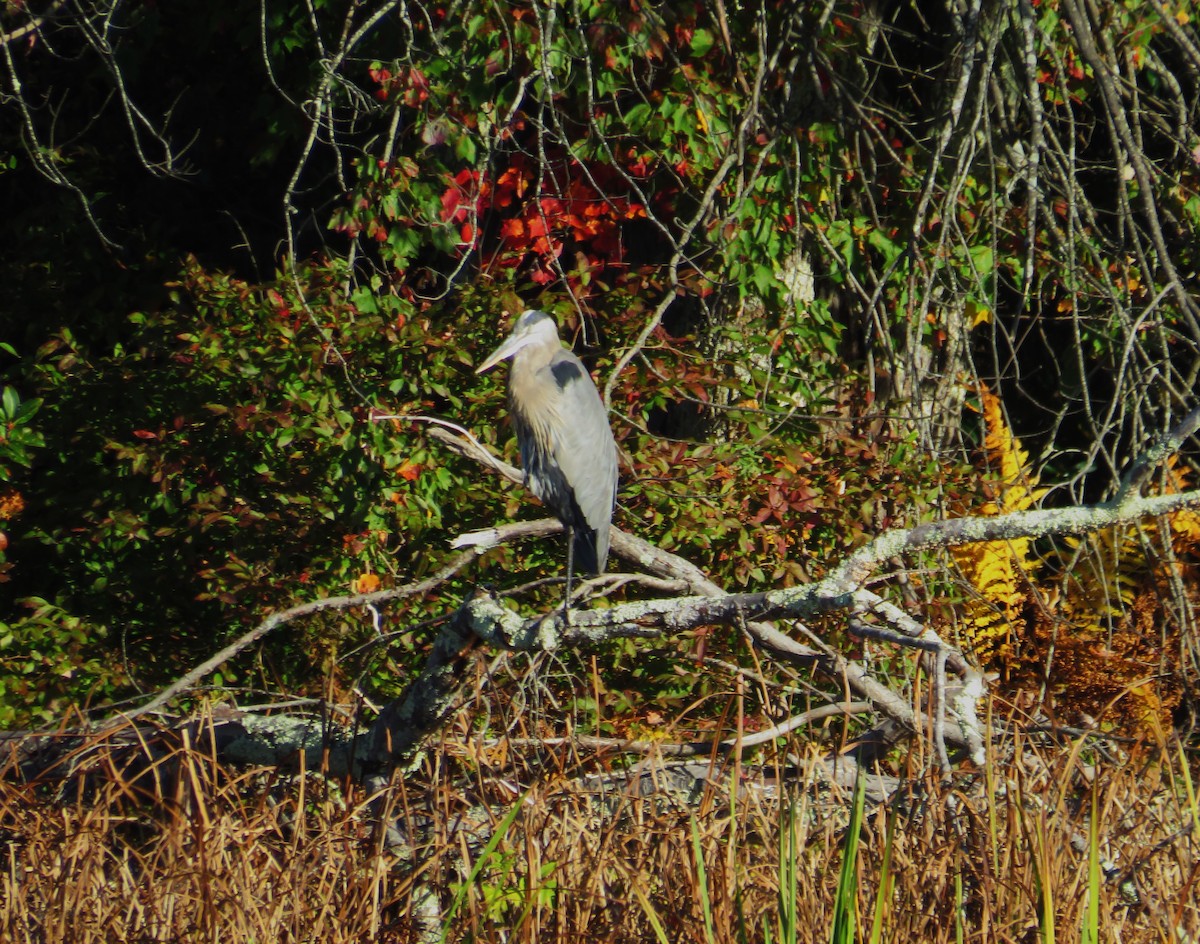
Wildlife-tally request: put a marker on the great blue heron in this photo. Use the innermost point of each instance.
(567, 448)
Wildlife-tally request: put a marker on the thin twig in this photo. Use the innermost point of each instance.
(282, 617)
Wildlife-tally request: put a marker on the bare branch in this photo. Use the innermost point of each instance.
(283, 617)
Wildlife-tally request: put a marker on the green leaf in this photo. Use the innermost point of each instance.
(879, 240)
(982, 258)
(637, 116)
(464, 147)
(26, 410)
(702, 42)
(364, 300)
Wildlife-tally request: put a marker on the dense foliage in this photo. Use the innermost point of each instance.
(792, 239)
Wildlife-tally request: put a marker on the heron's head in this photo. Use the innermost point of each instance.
(532, 328)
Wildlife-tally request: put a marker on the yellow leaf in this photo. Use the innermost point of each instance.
(978, 315)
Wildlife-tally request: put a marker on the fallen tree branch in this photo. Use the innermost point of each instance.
(840, 591)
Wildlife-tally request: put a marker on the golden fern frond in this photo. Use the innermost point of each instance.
(1185, 524)
(1103, 578)
(1010, 459)
(999, 571)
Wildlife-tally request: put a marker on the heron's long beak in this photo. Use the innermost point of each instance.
(507, 349)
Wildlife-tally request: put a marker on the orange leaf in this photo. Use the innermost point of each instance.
(366, 583)
(409, 471)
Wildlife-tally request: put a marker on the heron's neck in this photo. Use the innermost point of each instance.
(527, 388)
(533, 358)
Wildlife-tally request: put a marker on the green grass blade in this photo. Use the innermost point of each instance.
(958, 909)
(1190, 787)
(1041, 856)
(883, 899)
(1091, 917)
(845, 904)
(787, 876)
(702, 878)
(480, 863)
(651, 915)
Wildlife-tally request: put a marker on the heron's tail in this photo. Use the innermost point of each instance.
(590, 553)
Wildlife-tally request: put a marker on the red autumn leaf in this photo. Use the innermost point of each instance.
(408, 470)
(452, 200)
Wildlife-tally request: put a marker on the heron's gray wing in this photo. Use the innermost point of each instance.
(583, 446)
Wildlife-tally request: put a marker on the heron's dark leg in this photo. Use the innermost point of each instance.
(570, 568)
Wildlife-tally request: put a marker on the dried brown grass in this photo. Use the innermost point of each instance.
(261, 857)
